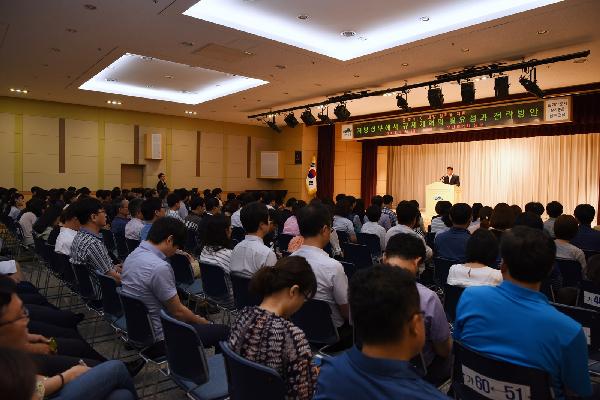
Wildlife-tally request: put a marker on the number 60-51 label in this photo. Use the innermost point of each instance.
(493, 389)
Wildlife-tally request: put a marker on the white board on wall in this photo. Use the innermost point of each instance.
(270, 165)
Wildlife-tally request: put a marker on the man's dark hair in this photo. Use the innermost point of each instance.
(373, 213)
(69, 213)
(196, 202)
(215, 232)
(388, 199)
(382, 300)
(135, 205)
(406, 212)
(476, 207)
(483, 247)
(340, 196)
(554, 209)
(217, 191)
(535, 207)
(312, 218)
(528, 253)
(342, 208)
(173, 199)
(565, 227)
(160, 175)
(461, 213)
(211, 203)
(450, 168)
(529, 219)
(443, 207)
(585, 214)
(150, 207)
(86, 207)
(377, 200)
(252, 215)
(290, 202)
(406, 246)
(269, 197)
(164, 227)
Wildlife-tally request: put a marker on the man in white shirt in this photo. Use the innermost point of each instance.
(251, 254)
(332, 283)
(407, 214)
(136, 223)
(372, 227)
(68, 230)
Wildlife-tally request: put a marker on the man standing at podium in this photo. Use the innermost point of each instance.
(450, 178)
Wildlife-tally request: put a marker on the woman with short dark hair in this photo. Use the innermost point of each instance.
(565, 229)
(479, 269)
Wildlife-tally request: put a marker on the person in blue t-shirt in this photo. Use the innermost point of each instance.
(514, 322)
(384, 304)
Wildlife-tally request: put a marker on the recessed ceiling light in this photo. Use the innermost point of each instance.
(424, 18)
(580, 60)
(404, 64)
(169, 76)
(248, 53)
(286, 92)
(113, 102)
(71, 30)
(356, 75)
(303, 17)
(348, 33)
(90, 7)
(21, 91)
(55, 49)
(280, 66)
(542, 32)
(190, 112)
(465, 50)
(189, 44)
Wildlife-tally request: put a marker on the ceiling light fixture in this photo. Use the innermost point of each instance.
(501, 86)
(71, 30)
(248, 53)
(404, 64)
(542, 32)
(530, 84)
(188, 44)
(190, 112)
(280, 66)
(324, 115)
(402, 101)
(291, 120)
(273, 125)
(113, 102)
(303, 17)
(348, 34)
(20, 91)
(341, 112)
(90, 7)
(424, 18)
(467, 92)
(435, 97)
(308, 118)
(465, 50)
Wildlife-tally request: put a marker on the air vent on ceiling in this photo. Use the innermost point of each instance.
(221, 53)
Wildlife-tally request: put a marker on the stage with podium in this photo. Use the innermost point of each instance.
(438, 191)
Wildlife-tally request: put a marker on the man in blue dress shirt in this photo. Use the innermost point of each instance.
(515, 323)
(452, 244)
(586, 238)
(384, 304)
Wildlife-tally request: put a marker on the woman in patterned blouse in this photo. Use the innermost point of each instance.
(264, 334)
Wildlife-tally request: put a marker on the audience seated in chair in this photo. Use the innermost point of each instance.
(441, 221)
(120, 221)
(68, 230)
(502, 219)
(479, 267)
(386, 208)
(407, 215)
(133, 228)
(388, 320)
(196, 211)
(341, 223)
(33, 210)
(372, 227)
(452, 244)
(514, 322)
(384, 220)
(152, 209)
(148, 276)
(406, 251)
(530, 219)
(88, 247)
(290, 227)
(475, 221)
(173, 204)
(265, 335)
(554, 210)
(565, 229)
(251, 254)
(586, 238)
(45, 224)
(332, 284)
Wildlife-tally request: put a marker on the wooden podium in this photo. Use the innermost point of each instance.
(438, 191)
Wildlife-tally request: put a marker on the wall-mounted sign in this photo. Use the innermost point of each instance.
(554, 110)
(347, 132)
(154, 146)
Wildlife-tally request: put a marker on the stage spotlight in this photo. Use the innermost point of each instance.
(531, 86)
(467, 92)
(501, 86)
(341, 112)
(273, 125)
(435, 97)
(290, 120)
(402, 102)
(308, 118)
(324, 116)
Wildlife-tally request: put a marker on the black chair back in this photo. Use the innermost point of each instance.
(349, 268)
(283, 241)
(139, 326)
(247, 378)
(571, 272)
(343, 236)
(122, 249)
(191, 242)
(132, 244)
(589, 320)
(357, 254)
(111, 304)
(40, 248)
(590, 253)
(238, 233)
(371, 241)
(474, 375)
(84, 281)
(430, 239)
(182, 269)
(442, 269)
(54, 261)
(241, 293)
(213, 281)
(314, 318)
(589, 296)
(109, 239)
(185, 352)
(451, 296)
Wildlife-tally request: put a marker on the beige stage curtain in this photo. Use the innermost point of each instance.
(515, 171)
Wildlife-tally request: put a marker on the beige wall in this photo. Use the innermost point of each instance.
(382, 157)
(347, 166)
(99, 140)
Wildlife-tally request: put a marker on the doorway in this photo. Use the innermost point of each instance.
(132, 176)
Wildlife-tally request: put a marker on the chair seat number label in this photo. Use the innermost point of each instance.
(591, 299)
(493, 389)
